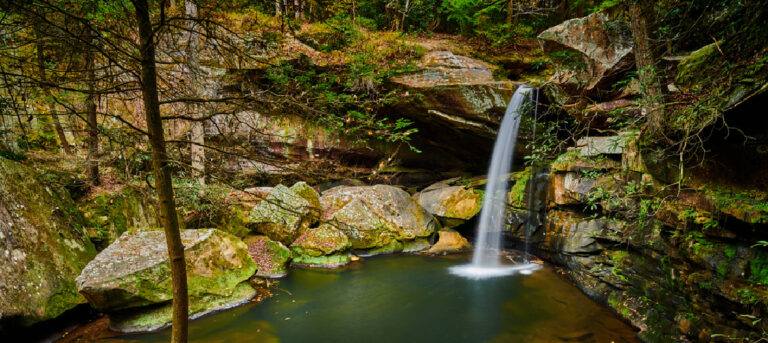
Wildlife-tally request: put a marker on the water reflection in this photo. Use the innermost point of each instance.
(410, 299)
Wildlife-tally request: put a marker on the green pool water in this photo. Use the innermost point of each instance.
(410, 299)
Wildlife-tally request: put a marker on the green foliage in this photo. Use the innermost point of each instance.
(346, 99)
(13, 155)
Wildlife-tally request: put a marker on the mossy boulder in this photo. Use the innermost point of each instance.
(235, 219)
(286, 212)
(271, 257)
(111, 214)
(324, 240)
(135, 270)
(416, 245)
(160, 316)
(326, 261)
(393, 247)
(374, 216)
(43, 247)
(452, 205)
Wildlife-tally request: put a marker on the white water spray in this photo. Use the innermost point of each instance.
(486, 261)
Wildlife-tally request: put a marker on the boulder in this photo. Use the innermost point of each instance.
(449, 242)
(135, 270)
(416, 245)
(323, 240)
(160, 316)
(451, 204)
(286, 212)
(374, 216)
(591, 53)
(111, 214)
(271, 257)
(43, 248)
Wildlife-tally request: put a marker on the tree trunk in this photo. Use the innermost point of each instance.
(51, 108)
(640, 16)
(405, 14)
(162, 174)
(197, 150)
(92, 119)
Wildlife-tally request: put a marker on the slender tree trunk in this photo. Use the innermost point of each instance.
(51, 108)
(405, 14)
(640, 17)
(197, 150)
(92, 119)
(162, 174)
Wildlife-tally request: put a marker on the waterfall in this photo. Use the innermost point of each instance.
(486, 261)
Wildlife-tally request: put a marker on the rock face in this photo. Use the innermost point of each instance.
(651, 255)
(451, 204)
(375, 216)
(590, 52)
(457, 101)
(135, 272)
(287, 212)
(271, 257)
(43, 247)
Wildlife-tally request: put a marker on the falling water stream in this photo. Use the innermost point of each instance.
(486, 261)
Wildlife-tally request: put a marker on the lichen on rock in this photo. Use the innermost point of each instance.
(43, 247)
(373, 216)
(135, 270)
(286, 212)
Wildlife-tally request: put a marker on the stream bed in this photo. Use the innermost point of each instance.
(410, 298)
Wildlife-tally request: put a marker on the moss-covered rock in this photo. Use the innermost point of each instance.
(416, 245)
(324, 240)
(286, 212)
(135, 270)
(111, 214)
(43, 247)
(271, 257)
(235, 220)
(161, 315)
(450, 202)
(373, 216)
(392, 247)
(326, 261)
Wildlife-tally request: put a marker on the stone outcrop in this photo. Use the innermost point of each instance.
(286, 212)
(452, 205)
(376, 216)
(134, 272)
(43, 248)
(591, 53)
(459, 103)
(657, 258)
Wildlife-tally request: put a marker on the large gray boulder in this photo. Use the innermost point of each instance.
(286, 212)
(375, 216)
(453, 205)
(43, 248)
(135, 272)
(590, 52)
